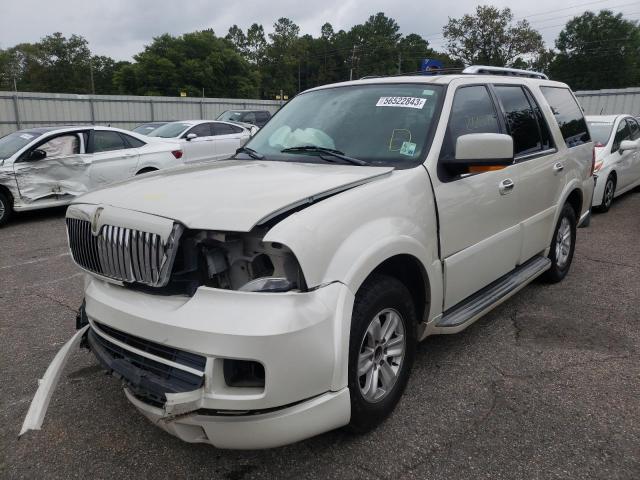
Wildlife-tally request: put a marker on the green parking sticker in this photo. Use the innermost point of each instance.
(408, 148)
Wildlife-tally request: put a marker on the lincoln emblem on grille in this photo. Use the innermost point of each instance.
(95, 226)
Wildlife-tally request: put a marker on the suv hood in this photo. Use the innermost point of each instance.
(232, 195)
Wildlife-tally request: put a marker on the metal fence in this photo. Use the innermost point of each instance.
(25, 109)
(607, 102)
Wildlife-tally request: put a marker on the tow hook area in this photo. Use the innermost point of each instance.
(47, 384)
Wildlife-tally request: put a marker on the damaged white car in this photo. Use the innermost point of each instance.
(49, 166)
(257, 301)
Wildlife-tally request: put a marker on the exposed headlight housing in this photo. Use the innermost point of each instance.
(234, 261)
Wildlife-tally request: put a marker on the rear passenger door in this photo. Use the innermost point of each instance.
(635, 136)
(112, 157)
(478, 213)
(228, 139)
(538, 166)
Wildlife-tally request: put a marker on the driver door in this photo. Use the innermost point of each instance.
(622, 161)
(480, 237)
(202, 147)
(62, 170)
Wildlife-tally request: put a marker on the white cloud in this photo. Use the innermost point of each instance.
(120, 28)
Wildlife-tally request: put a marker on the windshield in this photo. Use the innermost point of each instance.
(170, 130)
(10, 144)
(230, 116)
(379, 124)
(600, 132)
(147, 128)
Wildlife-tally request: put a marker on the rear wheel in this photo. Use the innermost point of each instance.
(607, 196)
(563, 245)
(6, 208)
(381, 349)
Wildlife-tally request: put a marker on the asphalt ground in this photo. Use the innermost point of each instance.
(545, 386)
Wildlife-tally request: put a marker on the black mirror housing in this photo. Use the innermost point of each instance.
(35, 155)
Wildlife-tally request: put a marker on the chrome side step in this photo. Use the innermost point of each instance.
(466, 312)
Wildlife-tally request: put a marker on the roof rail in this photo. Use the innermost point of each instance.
(514, 72)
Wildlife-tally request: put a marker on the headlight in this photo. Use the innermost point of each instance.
(235, 261)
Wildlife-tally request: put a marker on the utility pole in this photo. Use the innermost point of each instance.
(298, 76)
(399, 62)
(93, 85)
(353, 60)
(15, 84)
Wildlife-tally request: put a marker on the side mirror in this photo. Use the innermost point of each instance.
(629, 145)
(35, 155)
(191, 136)
(484, 150)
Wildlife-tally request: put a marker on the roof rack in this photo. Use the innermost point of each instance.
(514, 72)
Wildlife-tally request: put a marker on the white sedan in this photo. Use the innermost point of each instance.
(617, 151)
(205, 139)
(49, 166)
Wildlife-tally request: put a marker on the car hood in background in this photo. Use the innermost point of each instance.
(232, 195)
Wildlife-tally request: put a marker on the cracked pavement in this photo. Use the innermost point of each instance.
(545, 386)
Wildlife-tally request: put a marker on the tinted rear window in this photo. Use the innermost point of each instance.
(568, 114)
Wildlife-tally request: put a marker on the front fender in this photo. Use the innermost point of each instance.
(345, 237)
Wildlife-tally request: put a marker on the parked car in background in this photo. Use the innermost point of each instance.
(288, 287)
(49, 166)
(253, 117)
(147, 128)
(617, 151)
(205, 139)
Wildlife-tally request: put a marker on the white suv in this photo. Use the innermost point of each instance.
(258, 301)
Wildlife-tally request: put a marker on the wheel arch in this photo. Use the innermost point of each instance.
(410, 271)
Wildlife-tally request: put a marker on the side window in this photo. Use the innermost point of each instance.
(568, 115)
(472, 111)
(521, 120)
(225, 129)
(249, 117)
(201, 130)
(107, 141)
(132, 141)
(262, 116)
(545, 134)
(622, 133)
(635, 129)
(61, 146)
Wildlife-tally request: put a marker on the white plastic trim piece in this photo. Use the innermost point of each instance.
(47, 384)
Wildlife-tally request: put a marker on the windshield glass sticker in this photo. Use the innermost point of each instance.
(26, 136)
(398, 137)
(404, 102)
(408, 148)
(427, 92)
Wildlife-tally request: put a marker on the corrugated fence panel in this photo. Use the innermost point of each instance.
(606, 102)
(124, 111)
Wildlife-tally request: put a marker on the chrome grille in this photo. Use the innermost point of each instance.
(123, 253)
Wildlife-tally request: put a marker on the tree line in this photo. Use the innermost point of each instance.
(593, 51)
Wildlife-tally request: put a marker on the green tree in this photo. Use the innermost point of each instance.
(490, 37)
(598, 51)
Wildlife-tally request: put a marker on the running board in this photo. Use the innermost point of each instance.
(472, 308)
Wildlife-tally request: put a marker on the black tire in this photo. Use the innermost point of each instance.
(6, 208)
(146, 170)
(607, 195)
(560, 266)
(378, 294)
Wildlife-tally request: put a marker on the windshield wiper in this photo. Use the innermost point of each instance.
(251, 152)
(327, 151)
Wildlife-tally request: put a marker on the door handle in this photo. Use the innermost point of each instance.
(558, 167)
(506, 186)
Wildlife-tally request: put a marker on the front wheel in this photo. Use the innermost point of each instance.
(381, 349)
(563, 245)
(6, 209)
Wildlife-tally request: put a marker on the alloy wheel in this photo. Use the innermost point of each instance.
(563, 242)
(381, 355)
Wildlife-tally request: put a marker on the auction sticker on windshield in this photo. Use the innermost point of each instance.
(405, 102)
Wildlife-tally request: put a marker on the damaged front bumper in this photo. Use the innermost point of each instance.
(172, 354)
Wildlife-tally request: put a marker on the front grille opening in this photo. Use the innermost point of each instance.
(243, 373)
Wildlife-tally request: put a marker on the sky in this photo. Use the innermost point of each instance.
(121, 28)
